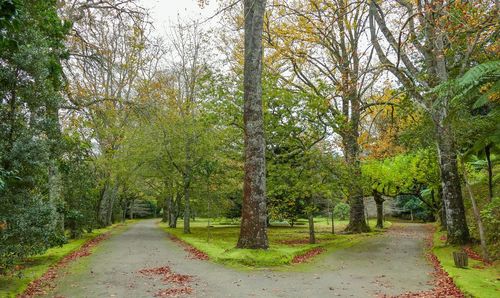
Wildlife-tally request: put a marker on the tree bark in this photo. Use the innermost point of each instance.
(456, 224)
(357, 221)
(442, 211)
(174, 212)
(187, 210)
(379, 201)
(312, 236)
(102, 212)
(167, 209)
(105, 210)
(333, 226)
(132, 209)
(111, 202)
(436, 72)
(253, 231)
(487, 152)
(477, 215)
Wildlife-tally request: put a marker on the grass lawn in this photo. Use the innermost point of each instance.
(477, 280)
(221, 246)
(35, 267)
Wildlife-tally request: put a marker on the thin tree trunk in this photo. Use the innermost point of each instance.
(174, 215)
(333, 227)
(456, 224)
(167, 208)
(487, 152)
(131, 209)
(379, 201)
(312, 236)
(477, 215)
(187, 210)
(253, 230)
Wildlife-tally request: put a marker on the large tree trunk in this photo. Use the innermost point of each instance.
(167, 209)
(357, 221)
(253, 231)
(379, 201)
(456, 224)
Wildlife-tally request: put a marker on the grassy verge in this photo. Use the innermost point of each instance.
(34, 267)
(285, 242)
(477, 280)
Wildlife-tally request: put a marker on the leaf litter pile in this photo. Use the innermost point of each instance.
(443, 283)
(169, 277)
(45, 282)
(307, 255)
(193, 253)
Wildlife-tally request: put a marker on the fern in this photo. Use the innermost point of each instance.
(488, 71)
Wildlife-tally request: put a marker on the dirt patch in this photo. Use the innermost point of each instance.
(46, 281)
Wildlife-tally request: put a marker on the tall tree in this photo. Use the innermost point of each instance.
(31, 50)
(110, 53)
(438, 41)
(253, 232)
(322, 49)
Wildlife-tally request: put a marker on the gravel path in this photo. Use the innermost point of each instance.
(392, 263)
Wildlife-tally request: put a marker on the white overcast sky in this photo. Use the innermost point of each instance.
(166, 12)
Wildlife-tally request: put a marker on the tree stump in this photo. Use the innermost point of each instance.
(461, 259)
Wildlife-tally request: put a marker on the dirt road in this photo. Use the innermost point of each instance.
(391, 263)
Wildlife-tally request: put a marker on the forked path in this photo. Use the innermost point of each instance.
(392, 263)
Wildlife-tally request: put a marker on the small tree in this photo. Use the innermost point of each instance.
(341, 211)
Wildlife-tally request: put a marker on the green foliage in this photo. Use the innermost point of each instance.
(302, 172)
(410, 205)
(31, 48)
(341, 211)
(30, 230)
(491, 221)
(475, 77)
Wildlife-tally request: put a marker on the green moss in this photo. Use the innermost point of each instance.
(35, 267)
(477, 280)
(221, 246)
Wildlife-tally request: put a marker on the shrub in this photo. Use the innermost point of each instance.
(341, 211)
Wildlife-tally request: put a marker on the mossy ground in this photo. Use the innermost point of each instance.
(478, 280)
(223, 237)
(34, 267)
